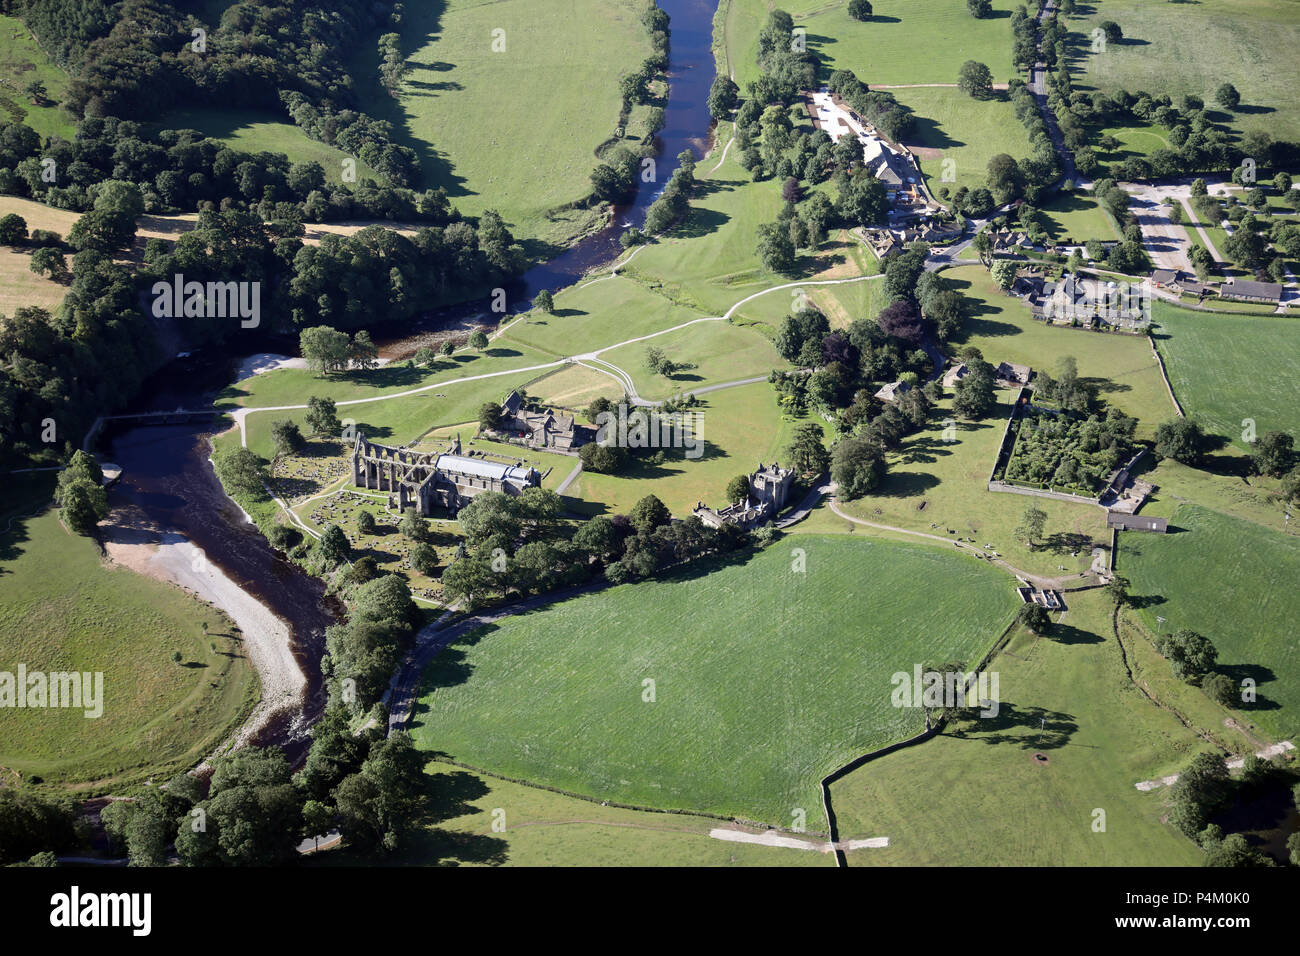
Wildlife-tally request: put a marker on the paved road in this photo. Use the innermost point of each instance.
(810, 501)
(1038, 86)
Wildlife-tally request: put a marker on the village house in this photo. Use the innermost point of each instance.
(1011, 375)
(955, 375)
(893, 390)
(427, 481)
(1166, 278)
(1177, 281)
(543, 429)
(1009, 241)
(769, 487)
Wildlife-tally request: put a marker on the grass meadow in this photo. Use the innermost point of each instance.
(953, 128)
(544, 828)
(1122, 366)
(19, 286)
(740, 427)
(63, 608)
(906, 41)
(253, 131)
(1229, 368)
(1233, 581)
(763, 681)
(937, 483)
(1178, 48)
(981, 799)
(513, 129)
(22, 61)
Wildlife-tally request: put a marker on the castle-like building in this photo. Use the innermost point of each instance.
(768, 488)
(430, 480)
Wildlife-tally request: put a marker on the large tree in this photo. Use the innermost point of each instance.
(975, 79)
(775, 248)
(723, 97)
(1003, 272)
(326, 349)
(1273, 454)
(1227, 96)
(649, 513)
(975, 396)
(1190, 654)
(80, 495)
(902, 321)
(857, 466)
(1032, 523)
(1180, 439)
(323, 417)
(807, 450)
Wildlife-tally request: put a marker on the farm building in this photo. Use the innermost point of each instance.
(955, 375)
(1252, 291)
(1128, 522)
(1012, 374)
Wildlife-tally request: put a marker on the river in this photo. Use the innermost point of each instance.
(168, 485)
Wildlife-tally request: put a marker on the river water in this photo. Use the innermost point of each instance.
(168, 484)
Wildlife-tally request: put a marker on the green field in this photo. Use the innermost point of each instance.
(1076, 218)
(764, 679)
(740, 427)
(907, 41)
(254, 131)
(575, 386)
(966, 132)
(292, 386)
(1228, 368)
(480, 820)
(22, 61)
(980, 799)
(710, 262)
(1232, 581)
(63, 608)
(393, 421)
(1133, 141)
(710, 353)
(515, 130)
(596, 315)
(1178, 48)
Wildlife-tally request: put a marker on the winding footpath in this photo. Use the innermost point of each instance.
(240, 415)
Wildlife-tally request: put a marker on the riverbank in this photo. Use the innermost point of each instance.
(265, 638)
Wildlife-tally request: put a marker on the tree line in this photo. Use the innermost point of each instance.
(138, 58)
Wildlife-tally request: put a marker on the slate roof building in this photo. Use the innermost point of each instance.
(544, 429)
(1013, 374)
(887, 393)
(1128, 522)
(1252, 291)
(955, 375)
